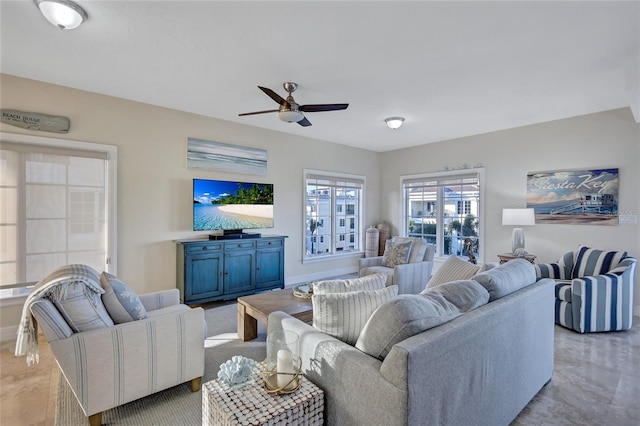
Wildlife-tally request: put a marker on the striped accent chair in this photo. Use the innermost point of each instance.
(594, 289)
(111, 364)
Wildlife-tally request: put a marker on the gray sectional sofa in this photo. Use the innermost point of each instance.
(480, 368)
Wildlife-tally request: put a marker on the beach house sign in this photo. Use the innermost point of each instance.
(36, 121)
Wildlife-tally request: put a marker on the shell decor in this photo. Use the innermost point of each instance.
(236, 370)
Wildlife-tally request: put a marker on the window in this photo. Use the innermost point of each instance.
(325, 195)
(56, 208)
(445, 209)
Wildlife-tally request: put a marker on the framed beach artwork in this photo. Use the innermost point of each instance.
(575, 197)
(203, 154)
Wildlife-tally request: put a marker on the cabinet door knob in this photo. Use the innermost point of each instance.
(239, 245)
(204, 248)
(269, 242)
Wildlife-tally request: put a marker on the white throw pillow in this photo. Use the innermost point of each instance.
(453, 269)
(121, 302)
(366, 283)
(81, 307)
(343, 315)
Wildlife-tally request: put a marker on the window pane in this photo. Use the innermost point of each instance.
(443, 210)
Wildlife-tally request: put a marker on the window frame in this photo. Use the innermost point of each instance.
(453, 174)
(359, 252)
(19, 294)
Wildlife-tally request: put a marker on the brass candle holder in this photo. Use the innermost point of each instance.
(281, 383)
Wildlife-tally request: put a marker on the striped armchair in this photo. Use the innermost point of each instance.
(594, 289)
(108, 362)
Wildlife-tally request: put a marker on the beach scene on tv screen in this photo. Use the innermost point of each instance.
(231, 205)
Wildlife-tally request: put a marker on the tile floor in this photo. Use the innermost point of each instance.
(27, 394)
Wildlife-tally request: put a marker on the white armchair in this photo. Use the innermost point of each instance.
(411, 277)
(110, 366)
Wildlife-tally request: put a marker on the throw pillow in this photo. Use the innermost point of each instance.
(418, 247)
(466, 295)
(590, 262)
(396, 254)
(401, 318)
(343, 315)
(80, 305)
(506, 278)
(121, 302)
(366, 283)
(453, 269)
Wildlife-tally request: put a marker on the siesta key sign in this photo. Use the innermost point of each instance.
(574, 196)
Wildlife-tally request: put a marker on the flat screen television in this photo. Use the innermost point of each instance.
(231, 206)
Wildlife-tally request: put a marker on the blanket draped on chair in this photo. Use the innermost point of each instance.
(54, 287)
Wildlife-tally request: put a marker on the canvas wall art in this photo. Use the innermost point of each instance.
(225, 157)
(578, 197)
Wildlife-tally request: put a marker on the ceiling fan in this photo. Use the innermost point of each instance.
(289, 110)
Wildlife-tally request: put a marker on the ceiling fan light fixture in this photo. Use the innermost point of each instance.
(394, 122)
(64, 14)
(290, 116)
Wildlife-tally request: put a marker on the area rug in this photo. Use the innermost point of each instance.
(176, 405)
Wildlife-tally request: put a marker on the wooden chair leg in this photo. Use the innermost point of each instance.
(196, 384)
(95, 420)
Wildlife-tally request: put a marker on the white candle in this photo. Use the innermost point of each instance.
(285, 365)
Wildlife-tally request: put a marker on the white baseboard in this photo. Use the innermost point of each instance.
(8, 333)
(291, 281)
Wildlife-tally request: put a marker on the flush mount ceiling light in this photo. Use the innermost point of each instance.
(64, 14)
(394, 122)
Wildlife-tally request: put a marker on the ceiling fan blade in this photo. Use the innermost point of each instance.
(273, 95)
(322, 107)
(258, 112)
(304, 122)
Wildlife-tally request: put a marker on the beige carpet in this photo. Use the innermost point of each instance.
(177, 405)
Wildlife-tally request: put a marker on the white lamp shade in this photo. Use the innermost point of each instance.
(64, 14)
(518, 217)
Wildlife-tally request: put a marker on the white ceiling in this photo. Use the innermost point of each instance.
(452, 69)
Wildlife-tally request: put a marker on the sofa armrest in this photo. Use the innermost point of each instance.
(160, 299)
(366, 262)
(351, 379)
(111, 366)
(412, 278)
(550, 270)
(603, 302)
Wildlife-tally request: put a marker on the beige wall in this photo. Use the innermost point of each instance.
(154, 185)
(609, 139)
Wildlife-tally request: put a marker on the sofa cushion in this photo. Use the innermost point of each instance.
(466, 295)
(402, 317)
(121, 302)
(453, 269)
(563, 290)
(80, 305)
(507, 278)
(343, 315)
(366, 283)
(396, 253)
(590, 262)
(418, 247)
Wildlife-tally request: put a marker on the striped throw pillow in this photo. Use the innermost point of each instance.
(366, 283)
(590, 262)
(453, 269)
(343, 315)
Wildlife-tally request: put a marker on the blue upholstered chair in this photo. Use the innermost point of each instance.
(594, 289)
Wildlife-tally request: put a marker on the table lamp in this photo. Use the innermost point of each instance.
(518, 217)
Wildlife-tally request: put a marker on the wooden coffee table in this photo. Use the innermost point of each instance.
(257, 307)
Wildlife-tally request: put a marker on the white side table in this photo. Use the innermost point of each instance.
(252, 405)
